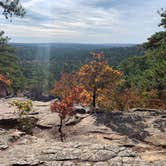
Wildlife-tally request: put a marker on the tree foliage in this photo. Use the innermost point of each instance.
(22, 109)
(163, 18)
(43, 64)
(147, 73)
(12, 7)
(10, 64)
(4, 80)
(4, 84)
(158, 39)
(98, 75)
(65, 107)
(64, 86)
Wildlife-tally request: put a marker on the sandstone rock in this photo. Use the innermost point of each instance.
(15, 135)
(3, 144)
(3, 139)
(135, 138)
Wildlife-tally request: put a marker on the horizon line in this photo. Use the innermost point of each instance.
(83, 43)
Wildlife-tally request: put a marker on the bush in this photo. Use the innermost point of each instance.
(22, 109)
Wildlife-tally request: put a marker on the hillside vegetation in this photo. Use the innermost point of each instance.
(42, 64)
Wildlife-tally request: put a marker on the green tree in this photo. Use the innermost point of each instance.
(10, 64)
(158, 39)
(148, 72)
(12, 7)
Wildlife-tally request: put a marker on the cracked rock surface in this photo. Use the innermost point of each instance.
(135, 138)
(41, 152)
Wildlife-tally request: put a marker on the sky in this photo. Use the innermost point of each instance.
(85, 21)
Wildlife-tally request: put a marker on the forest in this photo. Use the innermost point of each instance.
(42, 64)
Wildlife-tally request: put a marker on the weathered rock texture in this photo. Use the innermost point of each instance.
(136, 138)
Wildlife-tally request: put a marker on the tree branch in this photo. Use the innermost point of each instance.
(2, 4)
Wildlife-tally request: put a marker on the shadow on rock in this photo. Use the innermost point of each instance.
(131, 125)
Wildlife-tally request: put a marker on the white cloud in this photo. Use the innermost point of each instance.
(31, 3)
(85, 21)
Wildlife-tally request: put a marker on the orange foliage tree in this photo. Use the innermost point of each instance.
(65, 85)
(127, 98)
(4, 82)
(65, 107)
(85, 86)
(97, 75)
(151, 99)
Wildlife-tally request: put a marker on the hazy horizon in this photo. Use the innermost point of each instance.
(75, 43)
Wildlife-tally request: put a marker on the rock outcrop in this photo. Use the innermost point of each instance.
(135, 138)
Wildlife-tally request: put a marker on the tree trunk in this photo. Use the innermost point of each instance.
(94, 97)
(3, 90)
(60, 130)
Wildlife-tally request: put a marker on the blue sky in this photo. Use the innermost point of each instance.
(85, 21)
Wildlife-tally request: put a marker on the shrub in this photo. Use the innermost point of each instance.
(22, 109)
(65, 109)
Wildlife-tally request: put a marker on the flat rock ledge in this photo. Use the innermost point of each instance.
(134, 138)
(50, 153)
